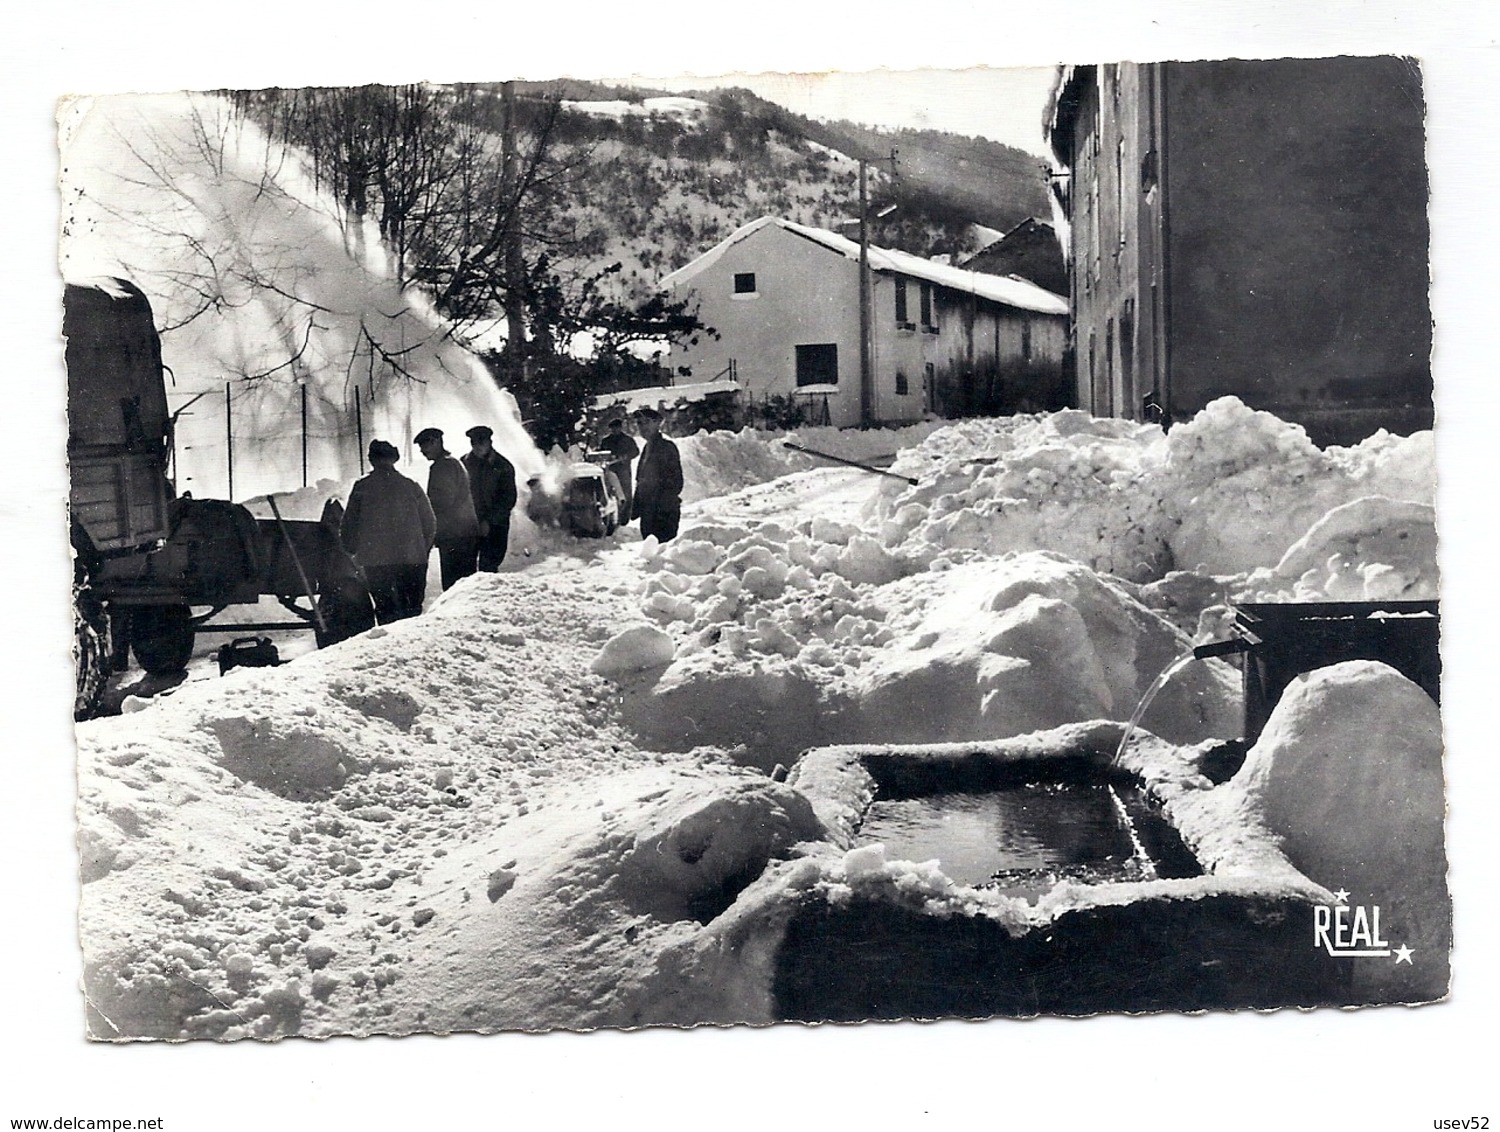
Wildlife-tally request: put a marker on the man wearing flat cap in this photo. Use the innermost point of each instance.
(389, 527)
(492, 487)
(457, 525)
(658, 481)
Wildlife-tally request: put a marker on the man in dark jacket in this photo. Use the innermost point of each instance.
(389, 527)
(492, 486)
(658, 481)
(622, 450)
(448, 491)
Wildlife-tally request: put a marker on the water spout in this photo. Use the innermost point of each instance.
(1157, 685)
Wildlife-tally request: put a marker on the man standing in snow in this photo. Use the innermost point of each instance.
(457, 525)
(658, 488)
(492, 486)
(624, 450)
(389, 527)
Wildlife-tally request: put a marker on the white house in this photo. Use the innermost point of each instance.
(784, 299)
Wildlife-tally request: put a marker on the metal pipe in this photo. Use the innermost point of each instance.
(228, 440)
(297, 562)
(850, 463)
(303, 387)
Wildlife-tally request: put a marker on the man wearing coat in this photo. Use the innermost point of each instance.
(658, 481)
(389, 527)
(622, 450)
(457, 525)
(492, 486)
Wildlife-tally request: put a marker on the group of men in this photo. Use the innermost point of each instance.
(391, 524)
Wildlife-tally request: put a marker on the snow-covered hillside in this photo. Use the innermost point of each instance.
(545, 803)
(260, 284)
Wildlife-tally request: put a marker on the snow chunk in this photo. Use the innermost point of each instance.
(637, 649)
(699, 850)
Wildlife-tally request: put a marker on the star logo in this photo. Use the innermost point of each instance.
(1404, 954)
(1342, 896)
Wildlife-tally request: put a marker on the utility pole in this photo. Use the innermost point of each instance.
(515, 267)
(866, 298)
(866, 377)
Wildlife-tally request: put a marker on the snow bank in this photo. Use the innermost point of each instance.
(790, 637)
(1026, 580)
(259, 282)
(1373, 549)
(1348, 772)
(389, 836)
(1224, 494)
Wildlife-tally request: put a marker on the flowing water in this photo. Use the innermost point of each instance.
(1157, 685)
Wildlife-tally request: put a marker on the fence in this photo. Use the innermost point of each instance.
(241, 439)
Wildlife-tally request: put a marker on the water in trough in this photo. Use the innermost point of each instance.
(1023, 838)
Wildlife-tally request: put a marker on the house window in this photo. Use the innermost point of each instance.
(902, 388)
(1026, 340)
(818, 364)
(927, 317)
(902, 318)
(744, 283)
(1120, 218)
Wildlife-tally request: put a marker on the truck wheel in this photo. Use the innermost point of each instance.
(91, 652)
(161, 636)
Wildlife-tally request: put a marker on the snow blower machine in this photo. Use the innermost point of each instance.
(150, 568)
(592, 498)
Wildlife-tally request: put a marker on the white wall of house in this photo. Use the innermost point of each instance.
(900, 352)
(804, 295)
(962, 334)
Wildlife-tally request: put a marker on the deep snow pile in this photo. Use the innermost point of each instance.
(258, 280)
(1025, 581)
(1227, 493)
(817, 635)
(390, 835)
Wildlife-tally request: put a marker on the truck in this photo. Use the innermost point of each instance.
(151, 568)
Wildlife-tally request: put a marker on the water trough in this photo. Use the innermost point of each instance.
(1065, 881)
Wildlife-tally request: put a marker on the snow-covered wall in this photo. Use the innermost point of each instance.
(272, 303)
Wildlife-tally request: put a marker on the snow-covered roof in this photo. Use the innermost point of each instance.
(657, 395)
(1009, 290)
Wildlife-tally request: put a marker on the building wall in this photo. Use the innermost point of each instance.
(804, 295)
(1256, 228)
(1117, 286)
(898, 353)
(1299, 241)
